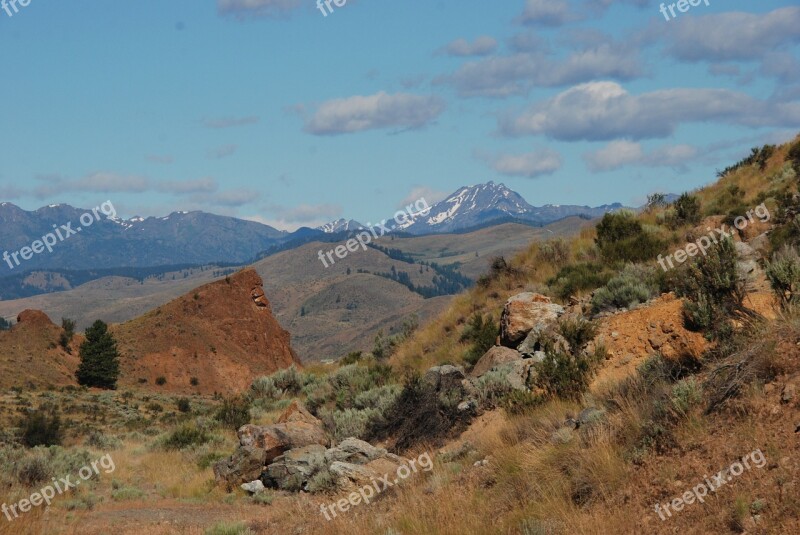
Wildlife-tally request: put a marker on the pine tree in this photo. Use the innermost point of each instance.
(99, 365)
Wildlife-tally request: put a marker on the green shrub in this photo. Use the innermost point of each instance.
(184, 405)
(101, 441)
(686, 394)
(635, 284)
(555, 252)
(40, 428)
(482, 334)
(783, 273)
(578, 332)
(30, 467)
(380, 398)
(353, 422)
(687, 210)
(126, 493)
(349, 381)
(566, 374)
(621, 238)
(714, 291)
(234, 412)
(185, 436)
(161, 380)
(794, 156)
(577, 278)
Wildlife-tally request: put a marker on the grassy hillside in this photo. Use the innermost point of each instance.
(684, 420)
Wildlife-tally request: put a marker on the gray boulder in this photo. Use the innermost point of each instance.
(292, 470)
(354, 451)
(245, 465)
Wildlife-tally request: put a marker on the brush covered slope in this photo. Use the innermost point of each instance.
(216, 338)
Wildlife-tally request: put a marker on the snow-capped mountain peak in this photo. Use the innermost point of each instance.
(340, 225)
(491, 203)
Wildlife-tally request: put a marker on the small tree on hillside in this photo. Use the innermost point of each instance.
(99, 365)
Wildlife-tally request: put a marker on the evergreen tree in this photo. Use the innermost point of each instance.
(99, 365)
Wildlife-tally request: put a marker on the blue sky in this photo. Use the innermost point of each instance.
(268, 110)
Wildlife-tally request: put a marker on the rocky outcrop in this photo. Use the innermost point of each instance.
(288, 454)
(223, 334)
(293, 470)
(495, 357)
(246, 464)
(278, 438)
(524, 313)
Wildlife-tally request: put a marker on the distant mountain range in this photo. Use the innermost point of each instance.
(490, 204)
(199, 238)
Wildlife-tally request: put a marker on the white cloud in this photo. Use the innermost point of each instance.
(540, 162)
(379, 111)
(734, 36)
(517, 74)
(605, 110)
(547, 13)
(623, 153)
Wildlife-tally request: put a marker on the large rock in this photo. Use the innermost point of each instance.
(348, 474)
(296, 412)
(354, 451)
(245, 465)
(278, 438)
(444, 378)
(494, 357)
(524, 313)
(292, 470)
(517, 374)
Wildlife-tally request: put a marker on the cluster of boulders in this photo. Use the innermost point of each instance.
(526, 319)
(290, 453)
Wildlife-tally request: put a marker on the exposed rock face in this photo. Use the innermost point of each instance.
(292, 470)
(277, 438)
(524, 313)
(494, 357)
(246, 464)
(445, 378)
(296, 412)
(222, 333)
(355, 451)
(34, 317)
